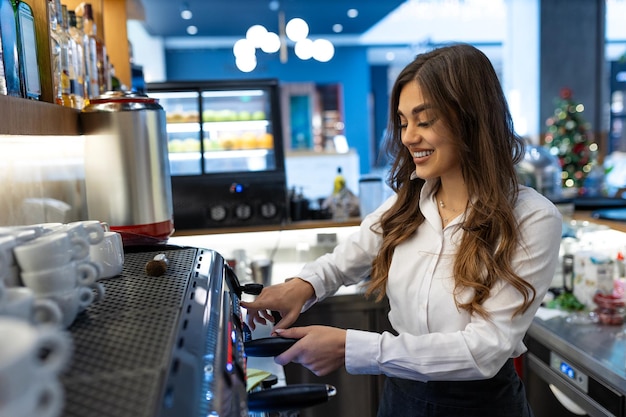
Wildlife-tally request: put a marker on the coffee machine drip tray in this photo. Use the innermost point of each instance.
(154, 346)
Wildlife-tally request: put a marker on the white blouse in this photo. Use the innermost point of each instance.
(436, 340)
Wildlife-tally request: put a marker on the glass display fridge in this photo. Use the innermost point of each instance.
(225, 151)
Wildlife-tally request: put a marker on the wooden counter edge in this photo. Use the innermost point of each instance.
(586, 216)
(309, 224)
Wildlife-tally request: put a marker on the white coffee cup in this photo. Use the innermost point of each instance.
(91, 230)
(51, 250)
(22, 363)
(34, 230)
(21, 303)
(42, 398)
(61, 279)
(72, 302)
(109, 255)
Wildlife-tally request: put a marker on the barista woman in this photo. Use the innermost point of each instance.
(463, 253)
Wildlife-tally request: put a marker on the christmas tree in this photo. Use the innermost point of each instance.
(569, 138)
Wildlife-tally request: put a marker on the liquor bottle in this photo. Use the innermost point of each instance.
(55, 52)
(27, 50)
(3, 81)
(8, 49)
(90, 63)
(74, 56)
(80, 41)
(90, 28)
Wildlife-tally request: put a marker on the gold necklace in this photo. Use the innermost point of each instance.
(442, 207)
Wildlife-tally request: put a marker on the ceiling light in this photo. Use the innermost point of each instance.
(242, 48)
(185, 11)
(323, 50)
(274, 5)
(270, 43)
(192, 30)
(337, 28)
(304, 49)
(256, 34)
(297, 29)
(246, 64)
(352, 13)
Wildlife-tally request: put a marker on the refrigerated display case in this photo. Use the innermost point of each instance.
(225, 151)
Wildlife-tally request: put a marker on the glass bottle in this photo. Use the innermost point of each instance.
(55, 52)
(91, 65)
(80, 41)
(75, 92)
(27, 50)
(3, 81)
(90, 28)
(9, 52)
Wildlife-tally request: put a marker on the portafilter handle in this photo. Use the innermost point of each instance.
(267, 346)
(290, 397)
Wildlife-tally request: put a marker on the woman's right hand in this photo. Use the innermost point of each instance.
(287, 299)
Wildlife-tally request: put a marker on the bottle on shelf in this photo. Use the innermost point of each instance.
(75, 56)
(27, 50)
(101, 70)
(60, 45)
(9, 56)
(3, 82)
(87, 62)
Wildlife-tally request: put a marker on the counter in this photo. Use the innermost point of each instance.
(575, 369)
(600, 349)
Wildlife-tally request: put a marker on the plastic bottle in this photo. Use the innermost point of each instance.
(339, 204)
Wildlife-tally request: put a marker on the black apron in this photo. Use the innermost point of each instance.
(500, 396)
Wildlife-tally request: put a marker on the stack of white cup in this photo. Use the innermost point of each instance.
(17, 301)
(56, 266)
(31, 360)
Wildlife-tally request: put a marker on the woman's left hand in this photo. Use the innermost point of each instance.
(321, 349)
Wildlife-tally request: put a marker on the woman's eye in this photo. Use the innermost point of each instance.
(403, 125)
(427, 123)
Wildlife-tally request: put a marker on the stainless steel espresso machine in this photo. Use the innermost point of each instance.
(173, 345)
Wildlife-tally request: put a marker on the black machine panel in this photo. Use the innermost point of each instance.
(244, 201)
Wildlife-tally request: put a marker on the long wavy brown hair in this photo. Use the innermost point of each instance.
(460, 83)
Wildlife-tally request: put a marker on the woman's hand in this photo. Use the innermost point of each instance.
(321, 349)
(286, 298)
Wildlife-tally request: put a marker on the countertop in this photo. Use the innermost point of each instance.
(599, 349)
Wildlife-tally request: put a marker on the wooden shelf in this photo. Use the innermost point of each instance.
(19, 116)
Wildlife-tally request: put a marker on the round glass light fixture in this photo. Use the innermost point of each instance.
(246, 64)
(243, 48)
(186, 14)
(271, 43)
(337, 28)
(256, 34)
(192, 30)
(304, 49)
(323, 50)
(297, 29)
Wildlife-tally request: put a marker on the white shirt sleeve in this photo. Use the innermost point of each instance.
(349, 263)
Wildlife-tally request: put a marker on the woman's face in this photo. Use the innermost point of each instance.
(426, 137)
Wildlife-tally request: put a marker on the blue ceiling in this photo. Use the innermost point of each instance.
(231, 18)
